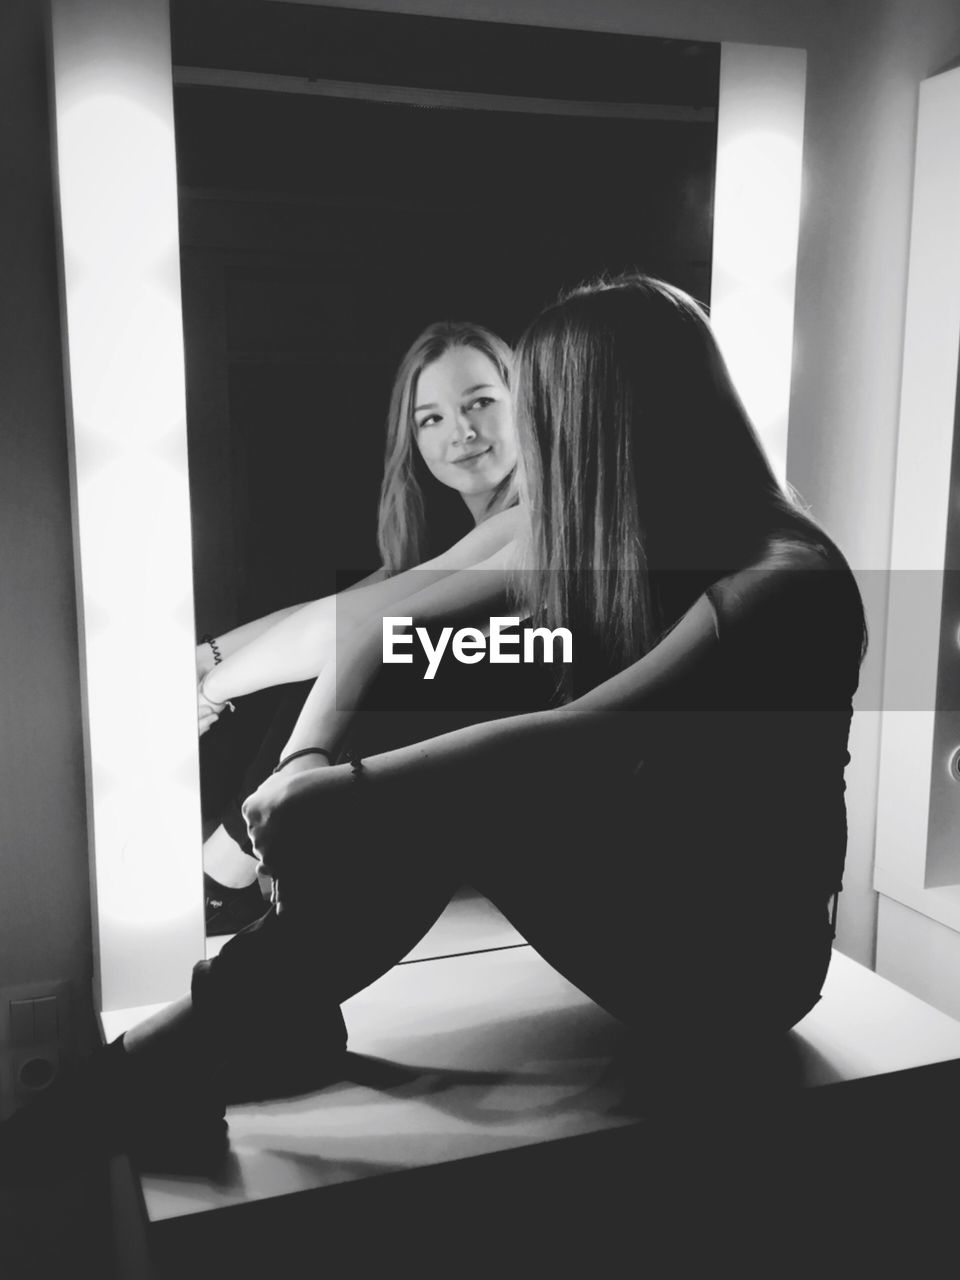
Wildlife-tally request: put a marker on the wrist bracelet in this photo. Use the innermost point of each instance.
(214, 649)
(304, 751)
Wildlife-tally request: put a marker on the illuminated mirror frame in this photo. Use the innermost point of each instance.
(918, 742)
(113, 116)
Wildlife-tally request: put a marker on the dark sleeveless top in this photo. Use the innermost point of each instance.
(737, 807)
(787, 667)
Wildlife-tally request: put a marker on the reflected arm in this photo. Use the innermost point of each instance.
(343, 682)
(228, 642)
(231, 642)
(300, 643)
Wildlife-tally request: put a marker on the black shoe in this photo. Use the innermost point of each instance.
(288, 1063)
(230, 910)
(110, 1104)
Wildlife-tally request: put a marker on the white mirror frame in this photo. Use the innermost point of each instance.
(928, 403)
(116, 177)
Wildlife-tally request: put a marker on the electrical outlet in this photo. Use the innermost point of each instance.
(36, 1031)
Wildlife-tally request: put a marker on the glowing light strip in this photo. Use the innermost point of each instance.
(921, 509)
(756, 221)
(113, 110)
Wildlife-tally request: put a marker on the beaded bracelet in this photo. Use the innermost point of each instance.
(304, 751)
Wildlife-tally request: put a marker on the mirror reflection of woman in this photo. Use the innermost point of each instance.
(450, 431)
(670, 838)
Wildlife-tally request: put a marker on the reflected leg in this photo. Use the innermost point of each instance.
(267, 754)
(233, 893)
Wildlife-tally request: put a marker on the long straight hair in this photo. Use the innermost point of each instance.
(412, 501)
(645, 478)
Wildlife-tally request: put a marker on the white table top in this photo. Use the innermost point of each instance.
(483, 1052)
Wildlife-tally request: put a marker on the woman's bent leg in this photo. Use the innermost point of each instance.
(642, 917)
(289, 704)
(270, 999)
(364, 895)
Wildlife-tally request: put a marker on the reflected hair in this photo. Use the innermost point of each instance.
(411, 499)
(645, 477)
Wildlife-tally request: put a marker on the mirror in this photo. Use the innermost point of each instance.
(346, 178)
(113, 113)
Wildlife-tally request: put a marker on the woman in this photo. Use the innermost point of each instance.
(450, 445)
(671, 836)
(450, 431)
(718, 636)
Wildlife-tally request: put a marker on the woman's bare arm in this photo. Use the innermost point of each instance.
(600, 731)
(299, 645)
(230, 642)
(343, 682)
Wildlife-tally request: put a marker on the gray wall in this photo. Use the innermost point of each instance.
(866, 58)
(45, 930)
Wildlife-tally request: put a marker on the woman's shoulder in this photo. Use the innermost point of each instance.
(791, 552)
(480, 544)
(793, 577)
(791, 622)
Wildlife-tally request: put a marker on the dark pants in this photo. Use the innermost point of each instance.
(600, 898)
(628, 890)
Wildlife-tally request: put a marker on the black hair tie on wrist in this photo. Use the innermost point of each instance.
(214, 649)
(304, 751)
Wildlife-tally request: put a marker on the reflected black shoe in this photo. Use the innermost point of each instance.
(230, 910)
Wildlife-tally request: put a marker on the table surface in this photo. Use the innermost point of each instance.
(462, 1054)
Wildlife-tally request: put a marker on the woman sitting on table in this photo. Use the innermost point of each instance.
(669, 838)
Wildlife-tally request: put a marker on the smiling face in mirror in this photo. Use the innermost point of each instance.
(463, 425)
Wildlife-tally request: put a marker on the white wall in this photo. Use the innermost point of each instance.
(865, 61)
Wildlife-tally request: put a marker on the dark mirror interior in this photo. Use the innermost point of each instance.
(321, 232)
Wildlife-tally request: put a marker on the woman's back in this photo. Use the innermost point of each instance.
(786, 669)
(736, 809)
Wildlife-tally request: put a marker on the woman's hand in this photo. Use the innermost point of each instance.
(285, 814)
(207, 716)
(208, 711)
(260, 814)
